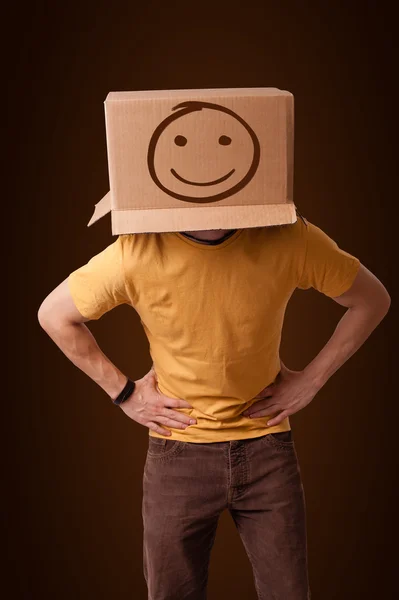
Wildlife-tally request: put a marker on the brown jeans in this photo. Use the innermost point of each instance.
(186, 486)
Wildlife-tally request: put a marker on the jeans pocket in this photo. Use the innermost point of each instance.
(163, 447)
(280, 439)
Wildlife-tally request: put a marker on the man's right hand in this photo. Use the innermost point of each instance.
(149, 407)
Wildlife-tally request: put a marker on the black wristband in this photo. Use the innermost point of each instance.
(126, 392)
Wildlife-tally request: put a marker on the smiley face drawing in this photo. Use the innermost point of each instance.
(202, 133)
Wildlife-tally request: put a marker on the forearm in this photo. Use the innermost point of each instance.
(76, 341)
(352, 331)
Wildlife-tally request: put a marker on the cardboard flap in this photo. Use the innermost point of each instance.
(101, 208)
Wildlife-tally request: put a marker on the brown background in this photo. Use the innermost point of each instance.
(74, 461)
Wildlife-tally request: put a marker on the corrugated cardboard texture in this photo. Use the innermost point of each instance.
(199, 159)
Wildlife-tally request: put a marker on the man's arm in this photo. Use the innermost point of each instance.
(368, 302)
(62, 321)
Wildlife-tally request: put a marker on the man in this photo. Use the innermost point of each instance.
(217, 399)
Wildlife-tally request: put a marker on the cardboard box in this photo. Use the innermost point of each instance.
(187, 160)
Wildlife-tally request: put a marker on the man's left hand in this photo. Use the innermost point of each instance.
(290, 392)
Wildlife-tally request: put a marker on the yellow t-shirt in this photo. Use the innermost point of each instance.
(213, 314)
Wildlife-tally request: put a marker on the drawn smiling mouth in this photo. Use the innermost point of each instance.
(180, 178)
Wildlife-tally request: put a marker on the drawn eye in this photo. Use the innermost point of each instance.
(224, 140)
(180, 140)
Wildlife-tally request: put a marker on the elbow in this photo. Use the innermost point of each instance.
(385, 299)
(43, 315)
(46, 314)
(369, 295)
(387, 303)
(375, 302)
(382, 303)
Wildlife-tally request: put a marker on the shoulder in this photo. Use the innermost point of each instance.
(303, 233)
(301, 238)
(293, 235)
(136, 241)
(139, 249)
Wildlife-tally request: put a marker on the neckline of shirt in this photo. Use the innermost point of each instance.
(216, 242)
(195, 244)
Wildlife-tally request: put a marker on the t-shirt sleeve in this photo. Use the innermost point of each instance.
(326, 267)
(99, 285)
